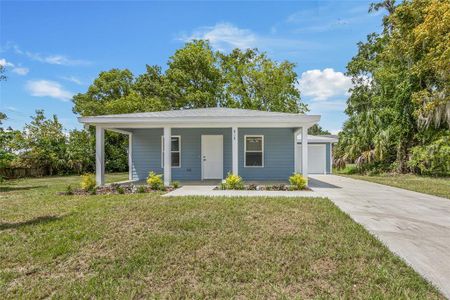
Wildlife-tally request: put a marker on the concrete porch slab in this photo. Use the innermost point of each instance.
(208, 191)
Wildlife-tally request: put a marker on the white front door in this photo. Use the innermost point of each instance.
(212, 157)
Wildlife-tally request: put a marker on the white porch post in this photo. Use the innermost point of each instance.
(305, 152)
(297, 168)
(167, 156)
(99, 155)
(130, 156)
(235, 150)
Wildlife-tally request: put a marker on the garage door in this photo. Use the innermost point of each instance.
(316, 158)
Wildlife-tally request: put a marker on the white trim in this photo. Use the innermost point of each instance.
(119, 131)
(167, 156)
(130, 156)
(292, 119)
(211, 124)
(99, 156)
(245, 150)
(235, 150)
(179, 150)
(305, 152)
(296, 164)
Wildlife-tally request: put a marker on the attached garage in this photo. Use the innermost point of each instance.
(319, 154)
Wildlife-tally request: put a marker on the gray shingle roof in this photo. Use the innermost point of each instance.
(202, 112)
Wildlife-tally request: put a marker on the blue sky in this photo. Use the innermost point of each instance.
(52, 50)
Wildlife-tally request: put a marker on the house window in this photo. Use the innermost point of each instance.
(176, 151)
(254, 151)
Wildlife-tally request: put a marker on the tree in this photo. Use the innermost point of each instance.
(7, 146)
(253, 81)
(400, 99)
(44, 144)
(80, 151)
(316, 129)
(195, 76)
(2, 73)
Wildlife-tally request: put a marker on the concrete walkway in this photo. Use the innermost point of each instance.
(208, 190)
(415, 226)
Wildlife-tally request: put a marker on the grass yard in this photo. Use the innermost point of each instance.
(147, 246)
(428, 185)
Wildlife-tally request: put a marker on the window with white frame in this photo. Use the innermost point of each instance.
(175, 149)
(254, 151)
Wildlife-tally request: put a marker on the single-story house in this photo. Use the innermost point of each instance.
(208, 143)
(320, 153)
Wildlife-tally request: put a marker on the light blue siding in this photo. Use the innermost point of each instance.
(147, 152)
(278, 154)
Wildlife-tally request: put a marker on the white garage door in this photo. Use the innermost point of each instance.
(316, 158)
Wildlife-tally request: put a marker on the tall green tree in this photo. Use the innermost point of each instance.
(316, 129)
(195, 76)
(400, 99)
(253, 81)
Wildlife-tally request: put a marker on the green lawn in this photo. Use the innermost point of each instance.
(428, 185)
(147, 246)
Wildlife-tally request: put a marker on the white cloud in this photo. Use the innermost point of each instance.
(318, 107)
(47, 88)
(5, 63)
(21, 71)
(226, 36)
(16, 69)
(72, 79)
(55, 59)
(322, 85)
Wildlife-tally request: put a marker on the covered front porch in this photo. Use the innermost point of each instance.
(206, 144)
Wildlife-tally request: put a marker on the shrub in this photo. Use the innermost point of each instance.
(69, 190)
(432, 159)
(155, 181)
(175, 184)
(88, 182)
(120, 190)
(141, 189)
(297, 181)
(233, 182)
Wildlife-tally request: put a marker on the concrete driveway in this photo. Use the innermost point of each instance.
(415, 226)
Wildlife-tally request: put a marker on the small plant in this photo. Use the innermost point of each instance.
(141, 189)
(69, 190)
(155, 181)
(297, 181)
(120, 190)
(175, 184)
(233, 182)
(93, 191)
(2, 179)
(88, 182)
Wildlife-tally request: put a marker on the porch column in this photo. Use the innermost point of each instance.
(235, 150)
(167, 156)
(130, 156)
(305, 152)
(297, 168)
(99, 155)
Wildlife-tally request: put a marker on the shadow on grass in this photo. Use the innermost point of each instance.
(35, 221)
(19, 188)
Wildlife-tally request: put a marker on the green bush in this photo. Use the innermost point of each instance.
(175, 184)
(69, 190)
(233, 182)
(297, 181)
(120, 190)
(432, 159)
(155, 181)
(141, 189)
(88, 182)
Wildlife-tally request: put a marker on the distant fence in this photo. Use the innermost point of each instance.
(12, 173)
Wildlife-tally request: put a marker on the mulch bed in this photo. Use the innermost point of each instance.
(116, 189)
(274, 187)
